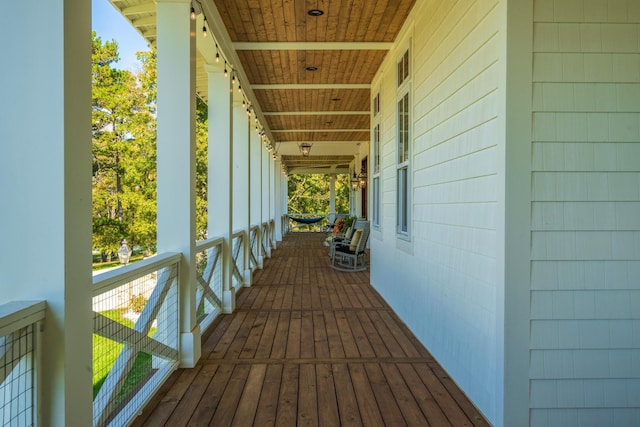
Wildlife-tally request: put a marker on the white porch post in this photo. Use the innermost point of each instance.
(255, 171)
(45, 171)
(265, 195)
(241, 193)
(274, 172)
(278, 178)
(220, 186)
(176, 158)
(332, 197)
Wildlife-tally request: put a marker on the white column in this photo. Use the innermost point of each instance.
(264, 190)
(332, 197)
(45, 171)
(275, 173)
(241, 180)
(220, 188)
(256, 189)
(176, 158)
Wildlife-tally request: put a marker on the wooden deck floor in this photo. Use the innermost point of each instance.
(308, 345)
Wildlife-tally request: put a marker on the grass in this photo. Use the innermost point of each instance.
(105, 353)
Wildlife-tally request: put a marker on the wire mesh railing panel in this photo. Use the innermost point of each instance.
(135, 343)
(264, 230)
(17, 378)
(209, 270)
(238, 260)
(253, 248)
(20, 361)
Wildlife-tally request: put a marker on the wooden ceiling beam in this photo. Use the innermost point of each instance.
(317, 113)
(146, 21)
(319, 130)
(313, 86)
(147, 7)
(312, 45)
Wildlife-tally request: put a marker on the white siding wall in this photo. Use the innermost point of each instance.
(585, 299)
(443, 283)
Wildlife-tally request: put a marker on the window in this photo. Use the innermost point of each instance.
(403, 147)
(403, 68)
(375, 191)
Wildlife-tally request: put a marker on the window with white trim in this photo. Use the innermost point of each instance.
(375, 167)
(403, 192)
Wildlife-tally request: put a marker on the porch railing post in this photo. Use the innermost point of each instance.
(220, 180)
(241, 189)
(176, 159)
(45, 171)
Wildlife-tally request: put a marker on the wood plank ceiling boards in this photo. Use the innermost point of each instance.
(308, 76)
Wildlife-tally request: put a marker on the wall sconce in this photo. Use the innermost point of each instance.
(355, 182)
(305, 149)
(362, 178)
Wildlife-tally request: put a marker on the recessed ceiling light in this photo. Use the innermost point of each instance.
(311, 68)
(335, 99)
(329, 122)
(315, 12)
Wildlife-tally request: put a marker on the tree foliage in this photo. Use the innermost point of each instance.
(124, 152)
(123, 148)
(311, 193)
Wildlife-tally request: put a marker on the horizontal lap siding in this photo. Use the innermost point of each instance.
(443, 282)
(585, 300)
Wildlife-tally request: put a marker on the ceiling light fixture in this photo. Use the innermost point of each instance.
(315, 12)
(335, 99)
(193, 13)
(312, 68)
(305, 148)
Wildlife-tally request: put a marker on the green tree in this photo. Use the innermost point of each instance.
(140, 187)
(123, 144)
(311, 193)
(202, 164)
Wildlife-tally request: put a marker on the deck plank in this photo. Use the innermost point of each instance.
(213, 395)
(246, 410)
(288, 402)
(268, 404)
(308, 345)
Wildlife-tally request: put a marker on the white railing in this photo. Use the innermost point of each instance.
(20, 324)
(238, 241)
(265, 240)
(254, 247)
(209, 269)
(136, 336)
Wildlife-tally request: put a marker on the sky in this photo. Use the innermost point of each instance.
(107, 22)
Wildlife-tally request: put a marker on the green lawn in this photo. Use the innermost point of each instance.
(106, 351)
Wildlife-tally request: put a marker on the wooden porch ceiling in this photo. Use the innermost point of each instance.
(308, 345)
(276, 41)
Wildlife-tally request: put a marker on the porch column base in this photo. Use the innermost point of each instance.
(260, 262)
(247, 278)
(190, 348)
(229, 301)
(268, 252)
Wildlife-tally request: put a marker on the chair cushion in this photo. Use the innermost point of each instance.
(355, 239)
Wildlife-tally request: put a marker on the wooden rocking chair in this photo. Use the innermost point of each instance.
(349, 254)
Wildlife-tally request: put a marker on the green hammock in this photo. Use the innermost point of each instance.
(307, 220)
